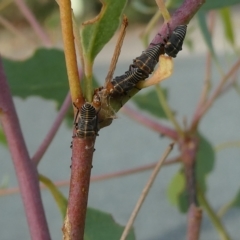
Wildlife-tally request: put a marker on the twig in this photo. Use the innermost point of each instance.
(181, 16)
(146, 121)
(167, 110)
(163, 10)
(207, 80)
(26, 171)
(82, 154)
(107, 176)
(145, 192)
(194, 222)
(215, 94)
(69, 50)
(52, 132)
(33, 22)
(10, 27)
(117, 50)
(214, 218)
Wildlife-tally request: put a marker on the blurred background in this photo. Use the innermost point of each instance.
(125, 143)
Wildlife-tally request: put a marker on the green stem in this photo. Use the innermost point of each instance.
(213, 216)
(167, 109)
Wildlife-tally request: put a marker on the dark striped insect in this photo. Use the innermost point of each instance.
(175, 41)
(148, 60)
(126, 82)
(86, 121)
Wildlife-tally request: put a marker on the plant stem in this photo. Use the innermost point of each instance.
(167, 110)
(214, 218)
(215, 94)
(25, 170)
(146, 121)
(74, 223)
(163, 10)
(145, 191)
(33, 22)
(69, 50)
(194, 222)
(52, 132)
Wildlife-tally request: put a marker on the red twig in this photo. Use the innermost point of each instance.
(65, 183)
(181, 16)
(194, 222)
(26, 171)
(74, 223)
(146, 121)
(52, 132)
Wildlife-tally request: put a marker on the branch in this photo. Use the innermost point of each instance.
(33, 22)
(180, 17)
(146, 121)
(74, 223)
(194, 222)
(215, 94)
(70, 53)
(223, 234)
(26, 171)
(97, 178)
(52, 132)
(145, 191)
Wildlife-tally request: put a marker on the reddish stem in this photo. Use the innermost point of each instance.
(194, 222)
(25, 170)
(74, 223)
(181, 16)
(146, 121)
(52, 132)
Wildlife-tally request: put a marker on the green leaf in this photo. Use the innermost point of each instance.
(98, 31)
(101, 226)
(236, 200)
(58, 196)
(206, 34)
(150, 103)
(209, 5)
(3, 139)
(176, 187)
(227, 24)
(44, 75)
(205, 161)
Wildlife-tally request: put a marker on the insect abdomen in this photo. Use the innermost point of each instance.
(148, 60)
(175, 42)
(126, 82)
(86, 124)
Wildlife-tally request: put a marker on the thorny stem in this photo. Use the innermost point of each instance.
(52, 132)
(69, 50)
(25, 170)
(168, 111)
(145, 192)
(33, 22)
(214, 218)
(146, 121)
(82, 154)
